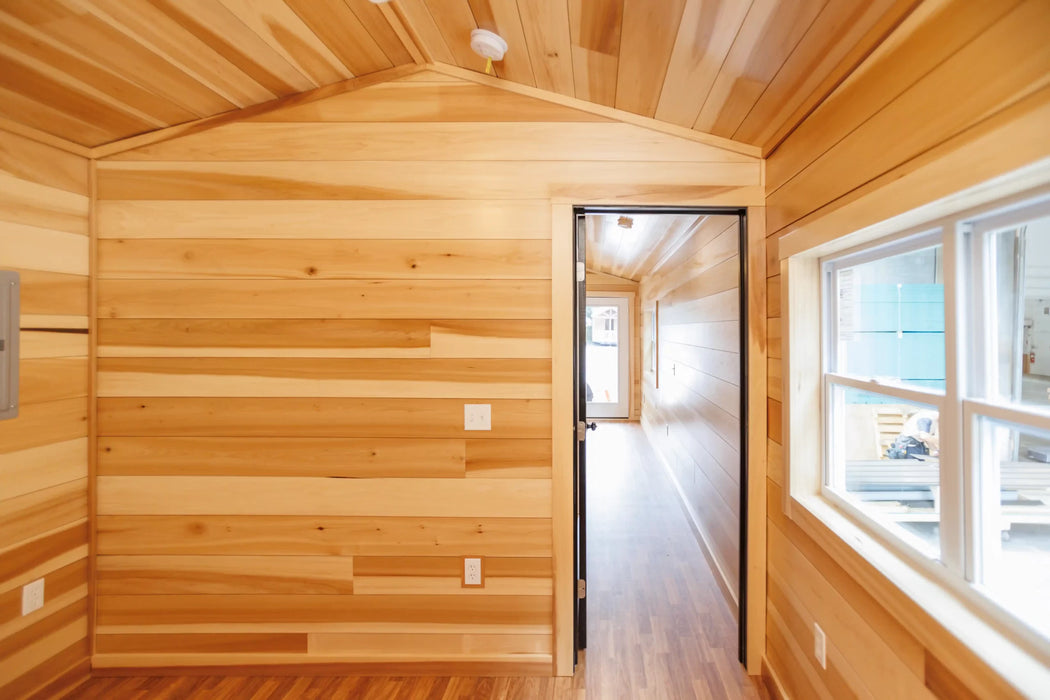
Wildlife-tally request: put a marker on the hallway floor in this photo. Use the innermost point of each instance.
(659, 628)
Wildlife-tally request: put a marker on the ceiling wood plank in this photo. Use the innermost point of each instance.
(35, 85)
(456, 21)
(408, 37)
(594, 31)
(281, 28)
(501, 17)
(220, 29)
(338, 27)
(418, 20)
(382, 32)
(649, 31)
(769, 34)
(165, 37)
(52, 120)
(255, 110)
(95, 39)
(24, 44)
(779, 110)
(13, 127)
(705, 37)
(546, 25)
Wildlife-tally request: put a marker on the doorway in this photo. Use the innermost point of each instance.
(689, 262)
(608, 349)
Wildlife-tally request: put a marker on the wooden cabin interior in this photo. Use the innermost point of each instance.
(275, 256)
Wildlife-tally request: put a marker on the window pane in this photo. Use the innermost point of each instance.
(1020, 315)
(1014, 469)
(603, 377)
(890, 315)
(884, 457)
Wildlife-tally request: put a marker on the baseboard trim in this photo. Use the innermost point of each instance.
(772, 681)
(366, 668)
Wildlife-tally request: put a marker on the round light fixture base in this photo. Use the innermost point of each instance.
(488, 44)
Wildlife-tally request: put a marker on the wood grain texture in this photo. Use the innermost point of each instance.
(890, 647)
(44, 451)
(283, 369)
(693, 418)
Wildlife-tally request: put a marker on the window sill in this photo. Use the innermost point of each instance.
(917, 599)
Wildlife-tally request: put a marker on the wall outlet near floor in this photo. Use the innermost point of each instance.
(477, 416)
(32, 596)
(472, 572)
(820, 646)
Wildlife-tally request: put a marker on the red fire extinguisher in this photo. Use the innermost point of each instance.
(1031, 357)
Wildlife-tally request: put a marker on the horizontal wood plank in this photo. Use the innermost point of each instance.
(330, 535)
(265, 337)
(219, 495)
(401, 378)
(341, 219)
(267, 456)
(436, 299)
(317, 417)
(406, 180)
(322, 259)
(233, 575)
(444, 141)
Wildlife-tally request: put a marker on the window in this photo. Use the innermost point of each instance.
(924, 380)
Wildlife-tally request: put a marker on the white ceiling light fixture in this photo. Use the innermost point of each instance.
(488, 45)
(379, 2)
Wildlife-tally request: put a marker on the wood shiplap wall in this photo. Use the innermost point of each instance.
(892, 138)
(693, 416)
(44, 451)
(293, 311)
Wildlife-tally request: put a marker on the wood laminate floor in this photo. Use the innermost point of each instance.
(659, 628)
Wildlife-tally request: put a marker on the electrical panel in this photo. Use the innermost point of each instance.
(9, 324)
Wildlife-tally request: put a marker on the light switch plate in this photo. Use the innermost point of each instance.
(477, 416)
(32, 596)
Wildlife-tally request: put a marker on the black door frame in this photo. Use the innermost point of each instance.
(580, 404)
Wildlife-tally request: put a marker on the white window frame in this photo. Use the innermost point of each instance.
(808, 498)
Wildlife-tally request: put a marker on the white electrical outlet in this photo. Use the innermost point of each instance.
(820, 645)
(472, 571)
(32, 596)
(477, 416)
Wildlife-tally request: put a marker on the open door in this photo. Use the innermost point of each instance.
(580, 454)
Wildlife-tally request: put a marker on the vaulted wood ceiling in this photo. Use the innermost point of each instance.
(95, 71)
(633, 252)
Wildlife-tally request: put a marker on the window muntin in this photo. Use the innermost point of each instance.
(888, 315)
(992, 407)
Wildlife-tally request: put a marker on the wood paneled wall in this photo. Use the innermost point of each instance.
(293, 311)
(692, 417)
(599, 284)
(956, 96)
(44, 201)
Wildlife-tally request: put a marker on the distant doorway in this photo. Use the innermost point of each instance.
(606, 328)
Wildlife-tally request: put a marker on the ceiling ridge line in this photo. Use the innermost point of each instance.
(705, 138)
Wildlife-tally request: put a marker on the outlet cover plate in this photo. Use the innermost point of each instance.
(820, 646)
(473, 572)
(477, 416)
(32, 596)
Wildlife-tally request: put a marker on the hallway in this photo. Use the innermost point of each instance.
(659, 627)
